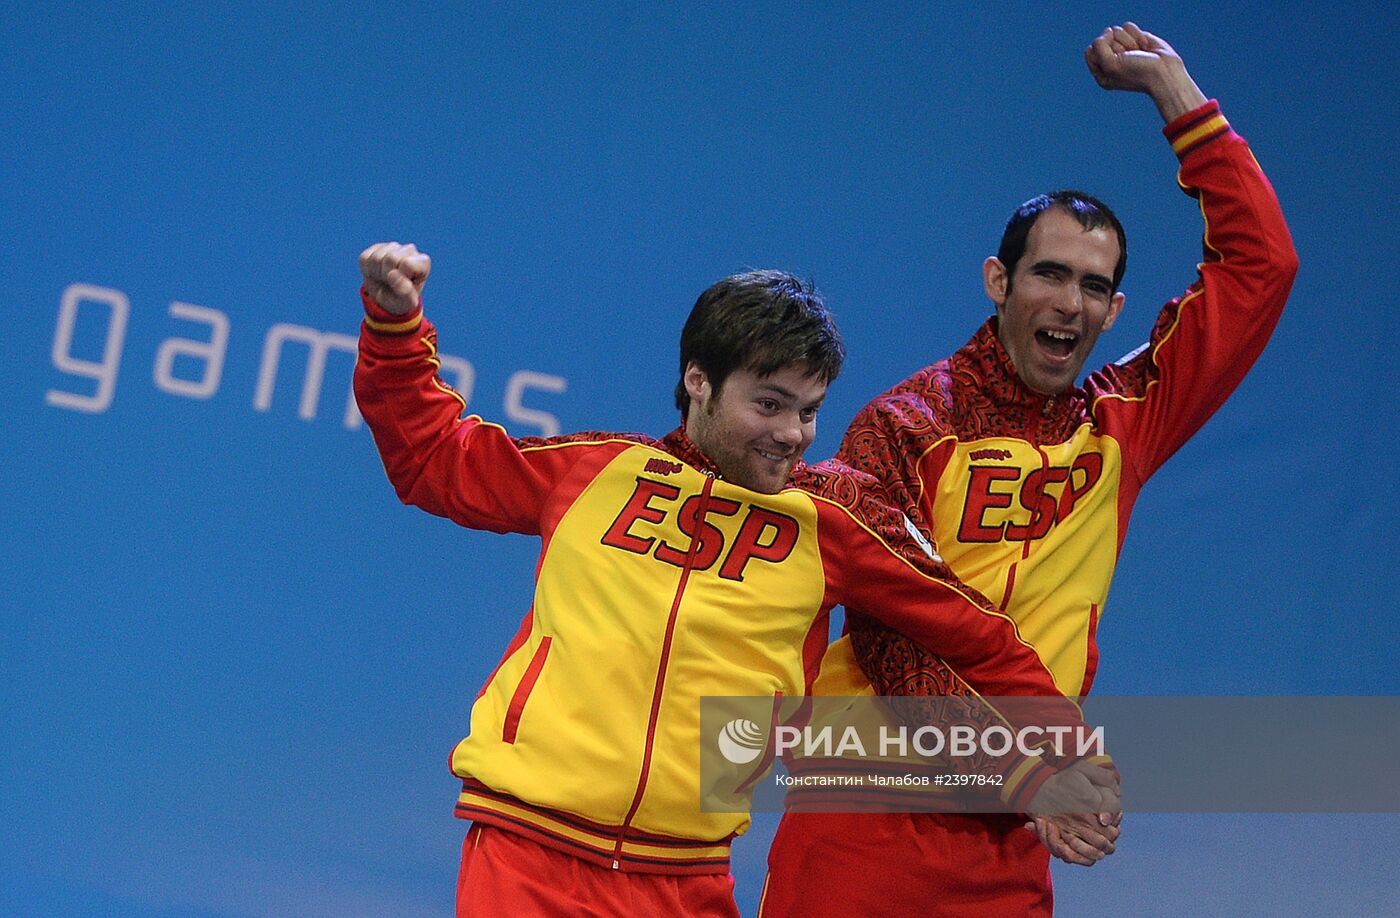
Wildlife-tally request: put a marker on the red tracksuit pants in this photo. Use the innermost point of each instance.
(906, 865)
(509, 876)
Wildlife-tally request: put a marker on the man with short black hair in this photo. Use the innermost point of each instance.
(1024, 483)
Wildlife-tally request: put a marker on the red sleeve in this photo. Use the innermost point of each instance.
(462, 468)
(876, 568)
(1206, 340)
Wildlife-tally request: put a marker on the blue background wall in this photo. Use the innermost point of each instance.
(233, 665)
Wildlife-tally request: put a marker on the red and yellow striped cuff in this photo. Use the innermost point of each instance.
(1024, 781)
(1196, 128)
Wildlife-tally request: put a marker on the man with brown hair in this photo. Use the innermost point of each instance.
(702, 563)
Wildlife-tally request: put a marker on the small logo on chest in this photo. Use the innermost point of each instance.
(663, 466)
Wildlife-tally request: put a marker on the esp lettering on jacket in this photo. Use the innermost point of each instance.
(1048, 494)
(764, 535)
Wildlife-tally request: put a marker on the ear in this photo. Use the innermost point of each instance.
(1115, 306)
(994, 280)
(697, 384)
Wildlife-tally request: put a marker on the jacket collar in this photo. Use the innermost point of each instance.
(983, 362)
(679, 444)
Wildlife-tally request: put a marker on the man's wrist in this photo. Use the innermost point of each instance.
(1177, 94)
(382, 321)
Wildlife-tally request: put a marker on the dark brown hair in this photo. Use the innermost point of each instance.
(760, 321)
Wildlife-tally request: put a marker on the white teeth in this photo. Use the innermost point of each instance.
(1061, 336)
(770, 456)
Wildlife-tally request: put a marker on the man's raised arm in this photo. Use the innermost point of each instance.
(1204, 341)
(464, 469)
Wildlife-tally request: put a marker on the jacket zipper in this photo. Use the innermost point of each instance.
(1034, 439)
(659, 688)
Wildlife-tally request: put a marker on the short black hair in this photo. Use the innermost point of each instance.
(760, 321)
(1088, 210)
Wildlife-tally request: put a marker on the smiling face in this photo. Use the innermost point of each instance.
(756, 427)
(1052, 310)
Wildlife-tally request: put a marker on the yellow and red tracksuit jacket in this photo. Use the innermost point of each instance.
(657, 584)
(1027, 497)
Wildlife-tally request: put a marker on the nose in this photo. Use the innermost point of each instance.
(789, 431)
(1071, 300)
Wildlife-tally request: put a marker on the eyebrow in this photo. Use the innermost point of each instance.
(1065, 269)
(790, 396)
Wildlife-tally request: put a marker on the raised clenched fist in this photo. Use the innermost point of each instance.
(394, 275)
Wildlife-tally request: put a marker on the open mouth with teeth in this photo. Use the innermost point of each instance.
(1057, 343)
(771, 457)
